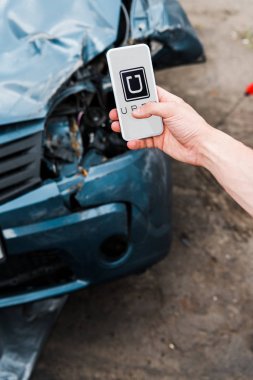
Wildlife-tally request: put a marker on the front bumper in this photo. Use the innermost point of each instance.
(124, 202)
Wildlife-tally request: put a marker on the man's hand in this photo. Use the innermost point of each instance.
(188, 138)
(184, 128)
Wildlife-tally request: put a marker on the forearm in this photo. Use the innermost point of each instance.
(231, 163)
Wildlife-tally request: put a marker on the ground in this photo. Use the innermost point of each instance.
(190, 316)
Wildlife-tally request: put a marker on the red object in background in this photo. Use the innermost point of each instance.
(249, 90)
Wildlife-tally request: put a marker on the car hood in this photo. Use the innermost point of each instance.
(44, 43)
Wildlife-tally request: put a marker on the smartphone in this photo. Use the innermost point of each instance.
(133, 84)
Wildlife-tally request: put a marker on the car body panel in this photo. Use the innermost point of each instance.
(166, 23)
(108, 208)
(42, 48)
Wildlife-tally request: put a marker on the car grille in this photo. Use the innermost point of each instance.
(19, 165)
(32, 272)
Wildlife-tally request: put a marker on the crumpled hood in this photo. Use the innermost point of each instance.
(42, 43)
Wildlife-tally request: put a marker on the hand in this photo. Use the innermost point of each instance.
(184, 129)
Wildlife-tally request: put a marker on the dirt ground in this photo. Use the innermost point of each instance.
(190, 316)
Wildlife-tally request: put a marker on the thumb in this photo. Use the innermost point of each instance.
(163, 110)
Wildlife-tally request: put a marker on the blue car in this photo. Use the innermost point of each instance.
(76, 207)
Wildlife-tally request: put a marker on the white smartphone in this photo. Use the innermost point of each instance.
(133, 84)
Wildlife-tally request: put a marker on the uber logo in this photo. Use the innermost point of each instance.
(134, 83)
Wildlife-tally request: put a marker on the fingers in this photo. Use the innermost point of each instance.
(163, 110)
(115, 126)
(133, 144)
(149, 142)
(113, 115)
(136, 144)
(164, 97)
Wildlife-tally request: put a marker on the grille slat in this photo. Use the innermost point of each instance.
(19, 165)
(18, 145)
(19, 175)
(16, 162)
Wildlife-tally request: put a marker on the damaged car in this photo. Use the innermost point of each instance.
(76, 207)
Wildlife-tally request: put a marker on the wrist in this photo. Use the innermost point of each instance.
(212, 146)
